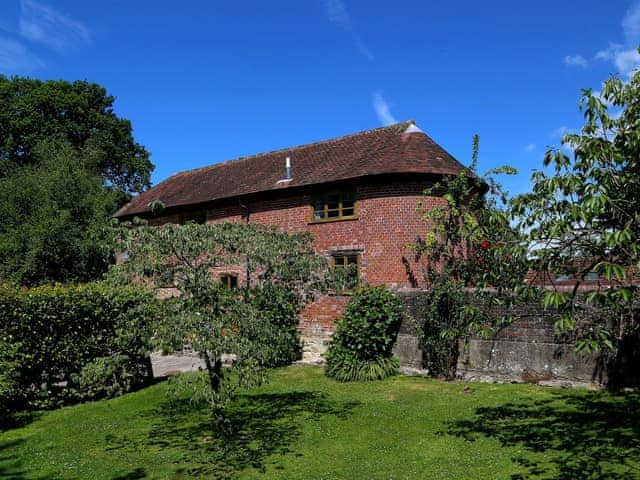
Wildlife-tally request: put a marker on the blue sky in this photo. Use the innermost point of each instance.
(207, 81)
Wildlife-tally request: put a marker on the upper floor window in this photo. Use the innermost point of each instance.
(198, 216)
(333, 206)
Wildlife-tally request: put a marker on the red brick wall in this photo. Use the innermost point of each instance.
(387, 220)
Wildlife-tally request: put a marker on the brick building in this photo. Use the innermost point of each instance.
(358, 196)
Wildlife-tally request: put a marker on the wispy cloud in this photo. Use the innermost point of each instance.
(383, 110)
(17, 58)
(625, 57)
(576, 61)
(43, 24)
(336, 11)
(530, 147)
(631, 24)
(561, 131)
(626, 60)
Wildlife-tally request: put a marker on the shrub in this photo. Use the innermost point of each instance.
(62, 329)
(105, 377)
(361, 347)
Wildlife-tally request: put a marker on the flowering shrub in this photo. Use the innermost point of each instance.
(470, 245)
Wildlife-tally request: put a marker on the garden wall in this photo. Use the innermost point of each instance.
(527, 350)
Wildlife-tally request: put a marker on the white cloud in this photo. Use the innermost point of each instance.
(625, 57)
(560, 131)
(362, 48)
(16, 58)
(337, 14)
(626, 60)
(631, 24)
(530, 147)
(41, 23)
(576, 61)
(383, 110)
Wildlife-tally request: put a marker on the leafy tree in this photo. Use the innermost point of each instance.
(473, 263)
(212, 318)
(54, 217)
(79, 113)
(584, 216)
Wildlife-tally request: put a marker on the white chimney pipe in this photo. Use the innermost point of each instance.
(287, 169)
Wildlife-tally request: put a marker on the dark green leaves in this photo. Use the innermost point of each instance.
(78, 113)
(583, 218)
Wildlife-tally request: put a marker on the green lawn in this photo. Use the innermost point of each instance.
(305, 426)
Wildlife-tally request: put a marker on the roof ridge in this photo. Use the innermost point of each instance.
(401, 126)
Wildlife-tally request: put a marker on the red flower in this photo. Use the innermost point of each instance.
(485, 245)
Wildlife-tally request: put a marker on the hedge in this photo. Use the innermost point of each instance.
(60, 334)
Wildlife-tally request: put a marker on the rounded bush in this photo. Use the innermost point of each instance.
(361, 347)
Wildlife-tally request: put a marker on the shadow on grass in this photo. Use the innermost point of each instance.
(259, 426)
(18, 420)
(595, 435)
(133, 475)
(11, 465)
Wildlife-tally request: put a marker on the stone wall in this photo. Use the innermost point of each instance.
(527, 350)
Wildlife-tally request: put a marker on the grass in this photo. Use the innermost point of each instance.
(305, 426)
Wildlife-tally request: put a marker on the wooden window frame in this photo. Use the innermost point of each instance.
(324, 198)
(229, 280)
(344, 256)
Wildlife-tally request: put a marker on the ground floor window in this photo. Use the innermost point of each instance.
(346, 270)
(229, 280)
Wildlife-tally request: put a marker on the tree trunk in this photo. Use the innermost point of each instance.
(214, 370)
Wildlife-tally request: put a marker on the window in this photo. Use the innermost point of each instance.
(333, 206)
(229, 280)
(199, 217)
(346, 271)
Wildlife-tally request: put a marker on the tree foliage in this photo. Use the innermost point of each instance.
(584, 216)
(79, 113)
(67, 161)
(474, 263)
(215, 320)
(55, 216)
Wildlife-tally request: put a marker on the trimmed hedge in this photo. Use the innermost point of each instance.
(360, 348)
(61, 337)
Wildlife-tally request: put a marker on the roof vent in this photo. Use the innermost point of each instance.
(287, 171)
(413, 128)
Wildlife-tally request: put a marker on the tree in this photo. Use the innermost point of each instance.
(585, 216)
(54, 219)
(67, 162)
(79, 113)
(474, 263)
(212, 318)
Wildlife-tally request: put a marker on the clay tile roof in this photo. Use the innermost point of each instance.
(398, 148)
